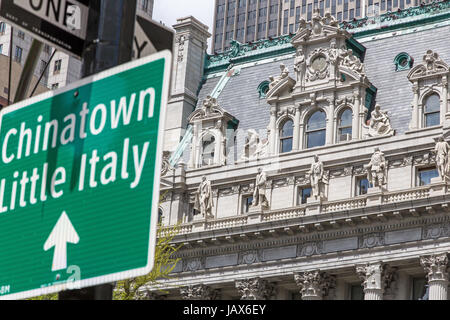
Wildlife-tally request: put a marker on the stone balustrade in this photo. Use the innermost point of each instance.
(418, 193)
(300, 211)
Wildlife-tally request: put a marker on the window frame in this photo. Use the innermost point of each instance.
(285, 138)
(339, 128)
(308, 132)
(425, 113)
(424, 168)
(245, 207)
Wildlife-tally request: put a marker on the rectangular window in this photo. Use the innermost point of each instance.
(57, 67)
(303, 195)
(309, 14)
(2, 27)
(247, 203)
(18, 54)
(1, 48)
(144, 5)
(425, 175)
(362, 185)
(21, 35)
(55, 86)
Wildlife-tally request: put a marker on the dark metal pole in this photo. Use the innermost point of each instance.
(110, 43)
(10, 65)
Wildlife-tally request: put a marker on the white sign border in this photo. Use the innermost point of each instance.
(167, 56)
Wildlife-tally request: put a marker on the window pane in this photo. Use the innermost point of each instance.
(208, 150)
(346, 118)
(288, 129)
(346, 131)
(286, 145)
(362, 187)
(316, 139)
(317, 121)
(305, 194)
(426, 175)
(433, 103)
(432, 119)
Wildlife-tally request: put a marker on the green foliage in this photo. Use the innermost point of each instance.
(129, 289)
(46, 297)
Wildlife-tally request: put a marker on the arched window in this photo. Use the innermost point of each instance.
(208, 148)
(432, 111)
(316, 130)
(344, 125)
(286, 136)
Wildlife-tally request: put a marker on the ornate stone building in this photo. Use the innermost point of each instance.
(324, 161)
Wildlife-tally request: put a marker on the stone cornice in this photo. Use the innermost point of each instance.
(285, 234)
(398, 19)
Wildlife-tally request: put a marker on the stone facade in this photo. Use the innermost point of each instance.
(327, 233)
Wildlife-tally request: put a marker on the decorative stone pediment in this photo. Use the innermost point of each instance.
(209, 139)
(210, 110)
(431, 65)
(280, 85)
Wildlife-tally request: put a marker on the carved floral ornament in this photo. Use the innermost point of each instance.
(314, 283)
(198, 292)
(255, 289)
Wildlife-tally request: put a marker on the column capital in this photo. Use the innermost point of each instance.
(370, 275)
(435, 266)
(199, 292)
(314, 285)
(255, 289)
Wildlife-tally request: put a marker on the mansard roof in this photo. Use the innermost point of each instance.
(414, 31)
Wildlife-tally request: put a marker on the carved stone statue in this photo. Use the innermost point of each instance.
(259, 195)
(316, 176)
(441, 150)
(254, 147)
(299, 65)
(203, 198)
(351, 61)
(380, 125)
(377, 169)
(284, 74)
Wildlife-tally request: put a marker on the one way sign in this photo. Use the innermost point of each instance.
(150, 37)
(60, 23)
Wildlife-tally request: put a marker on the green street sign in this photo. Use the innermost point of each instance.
(79, 181)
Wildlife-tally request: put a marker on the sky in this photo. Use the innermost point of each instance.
(168, 11)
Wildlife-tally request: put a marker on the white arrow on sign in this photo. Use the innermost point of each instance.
(63, 232)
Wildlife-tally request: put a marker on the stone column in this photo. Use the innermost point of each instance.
(296, 140)
(314, 285)
(357, 121)
(372, 277)
(330, 133)
(199, 292)
(415, 112)
(445, 97)
(301, 144)
(272, 130)
(255, 289)
(436, 268)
